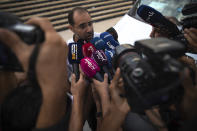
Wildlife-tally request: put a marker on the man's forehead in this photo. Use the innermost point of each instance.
(81, 17)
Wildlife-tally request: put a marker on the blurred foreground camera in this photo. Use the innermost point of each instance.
(150, 71)
(28, 33)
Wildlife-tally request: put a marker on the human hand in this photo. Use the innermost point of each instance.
(51, 65)
(78, 88)
(116, 90)
(191, 36)
(156, 32)
(103, 93)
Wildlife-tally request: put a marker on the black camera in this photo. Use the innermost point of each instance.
(28, 33)
(150, 72)
(189, 12)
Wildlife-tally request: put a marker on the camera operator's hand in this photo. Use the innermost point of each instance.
(118, 108)
(116, 91)
(191, 36)
(50, 69)
(155, 118)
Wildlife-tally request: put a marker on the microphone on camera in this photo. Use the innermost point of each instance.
(156, 19)
(91, 69)
(101, 59)
(110, 43)
(88, 49)
(98, 43)
(74, 57)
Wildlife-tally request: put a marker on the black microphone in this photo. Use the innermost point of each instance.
(190, 8)
(101, 59)
(156, 19)
(74, 57)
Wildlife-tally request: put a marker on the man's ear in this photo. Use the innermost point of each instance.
(71, 28)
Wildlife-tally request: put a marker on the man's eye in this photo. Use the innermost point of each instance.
(82, 26)
(90, 23)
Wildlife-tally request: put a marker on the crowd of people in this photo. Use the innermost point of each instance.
(48, 97)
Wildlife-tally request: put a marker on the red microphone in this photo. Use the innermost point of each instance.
(88, 49)
(90, 68)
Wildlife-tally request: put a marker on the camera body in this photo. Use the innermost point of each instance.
(28, 33)
(150, 72)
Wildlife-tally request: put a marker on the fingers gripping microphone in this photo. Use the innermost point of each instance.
(101, 59)
(90, 68)
(74, 57)
(110, 43)
(98, 43)
(156, 19)
(88, 49)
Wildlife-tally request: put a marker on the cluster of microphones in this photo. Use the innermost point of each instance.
(94, 57)
(148, 81)
(149, 69)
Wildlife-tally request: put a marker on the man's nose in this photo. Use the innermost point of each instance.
(89, 28)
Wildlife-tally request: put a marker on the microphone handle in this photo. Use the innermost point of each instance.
(76, 70)
(105, 69)
(98, 77)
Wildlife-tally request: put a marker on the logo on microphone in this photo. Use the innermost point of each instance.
(74, 51)
(90, 65)
(110, 45)
(100, 56)
(90, 48)
(150, 14)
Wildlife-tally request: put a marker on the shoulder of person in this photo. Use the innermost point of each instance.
(70, 41)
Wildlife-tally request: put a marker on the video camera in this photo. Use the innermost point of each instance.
(28, 33)
(150, 72)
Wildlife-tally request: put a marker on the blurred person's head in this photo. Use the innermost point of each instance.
(81, 23)
(20, 108)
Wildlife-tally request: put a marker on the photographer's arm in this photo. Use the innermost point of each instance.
(78, 90)
(102, 89)
(50, 70)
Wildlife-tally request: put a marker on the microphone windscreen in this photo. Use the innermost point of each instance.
(74, 53)
(109, 56)
(149, 14)
(99, 57)
(110, 43)
(156, 19)
(88, 49)
(89, 67)
(98, 43)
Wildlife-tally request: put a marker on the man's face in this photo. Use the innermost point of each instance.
(83, 26)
